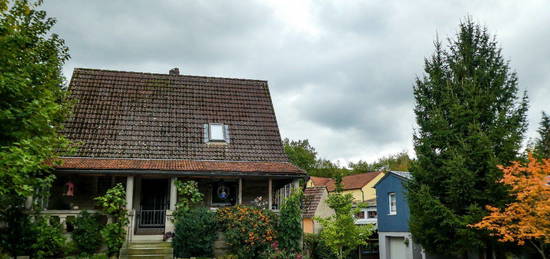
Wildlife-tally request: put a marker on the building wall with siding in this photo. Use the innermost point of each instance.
(386, 222)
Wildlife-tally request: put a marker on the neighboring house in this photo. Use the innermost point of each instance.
(395, 240)
(361, 187)
(315, 206)
(148, 130)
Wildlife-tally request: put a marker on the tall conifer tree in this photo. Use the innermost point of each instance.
(470, 120)
(542, 144)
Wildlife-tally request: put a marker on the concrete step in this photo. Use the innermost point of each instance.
(148, 257)
(150, 245)
(146, 251)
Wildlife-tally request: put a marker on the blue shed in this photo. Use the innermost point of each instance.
(395, 240)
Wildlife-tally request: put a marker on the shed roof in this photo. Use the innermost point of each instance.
(312, 198)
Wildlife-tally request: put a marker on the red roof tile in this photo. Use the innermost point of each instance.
(320, 181)
(177, 165)
(350, 182)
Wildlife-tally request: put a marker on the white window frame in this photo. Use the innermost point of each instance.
(210, 132)
(392, 207)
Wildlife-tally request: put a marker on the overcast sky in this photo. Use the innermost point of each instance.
(340, 72)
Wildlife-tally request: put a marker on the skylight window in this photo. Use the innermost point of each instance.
(216, 132)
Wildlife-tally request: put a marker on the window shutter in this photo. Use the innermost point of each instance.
(205, 135)
(226, 128)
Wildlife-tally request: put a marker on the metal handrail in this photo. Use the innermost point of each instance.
(151, 218)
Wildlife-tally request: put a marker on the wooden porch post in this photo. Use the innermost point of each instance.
(129, 192)
(270, 194)
(240, 195)
(173, 193)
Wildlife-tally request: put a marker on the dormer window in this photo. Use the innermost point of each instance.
(216, 132)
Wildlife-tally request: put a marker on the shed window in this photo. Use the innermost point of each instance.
(392, 203)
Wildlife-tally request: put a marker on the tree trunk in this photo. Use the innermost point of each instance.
(540, 248)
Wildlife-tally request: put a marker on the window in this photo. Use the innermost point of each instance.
(216, 132)
(392, 203)
(371, 214)
(360, 215)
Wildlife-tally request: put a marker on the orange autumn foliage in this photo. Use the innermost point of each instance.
(528, 217)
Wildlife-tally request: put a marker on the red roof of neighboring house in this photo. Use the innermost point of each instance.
(312, 198)
(177, 165)
(320, 181)
(350, 182)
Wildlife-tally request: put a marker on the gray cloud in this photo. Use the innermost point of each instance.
(340, 72)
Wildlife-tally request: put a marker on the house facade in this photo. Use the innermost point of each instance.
(361, 187)
(147, 130)
(315, 206)
(395, 239)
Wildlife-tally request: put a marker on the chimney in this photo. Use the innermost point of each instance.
(174, 72)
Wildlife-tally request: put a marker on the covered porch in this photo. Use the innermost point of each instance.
(151, 197)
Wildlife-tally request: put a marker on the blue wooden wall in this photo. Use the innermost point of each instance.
(386, 222)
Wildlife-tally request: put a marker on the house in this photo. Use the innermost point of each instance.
(395, 240)
(315, 206)
(148, 130)
(360, 186)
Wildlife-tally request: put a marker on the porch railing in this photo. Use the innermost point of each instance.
(151, 218)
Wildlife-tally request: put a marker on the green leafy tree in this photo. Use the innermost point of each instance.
(113, 203)
(396, 162)
(300, 153)
(32, 109)
(289, 227)
(542, 144)
(340, 233)
(470, 120)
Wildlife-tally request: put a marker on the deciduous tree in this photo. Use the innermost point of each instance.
(32, 106)
(470, 119)
(528, 217)
(340, 232)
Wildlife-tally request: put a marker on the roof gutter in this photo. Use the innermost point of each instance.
(179, 173)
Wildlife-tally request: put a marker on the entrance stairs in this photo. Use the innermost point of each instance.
(147, 250)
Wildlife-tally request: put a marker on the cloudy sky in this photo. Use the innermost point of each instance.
(340, 72)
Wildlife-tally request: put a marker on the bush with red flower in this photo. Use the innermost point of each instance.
(249, 232)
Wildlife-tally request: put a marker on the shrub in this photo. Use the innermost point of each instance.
(195, 233)
(249, 232)
(289, 228)
(86, 234)
(113, 203)
(50, 241)
(17, 235)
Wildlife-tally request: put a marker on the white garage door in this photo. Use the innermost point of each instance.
(398, 250)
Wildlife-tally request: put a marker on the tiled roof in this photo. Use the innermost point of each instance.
(312, 198)
(350, 182)
(177, 165)
(320, 181)
(160, 116)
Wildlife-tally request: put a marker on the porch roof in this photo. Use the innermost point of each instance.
(175, 166)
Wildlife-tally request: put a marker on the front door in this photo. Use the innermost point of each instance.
(154, 203)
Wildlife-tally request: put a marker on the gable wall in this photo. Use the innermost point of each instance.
(386, 222)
